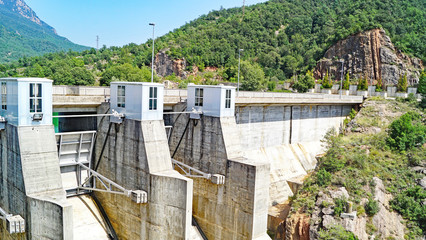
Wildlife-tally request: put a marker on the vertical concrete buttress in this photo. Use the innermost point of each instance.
(137, 157)
(238, 209)
(31, 183)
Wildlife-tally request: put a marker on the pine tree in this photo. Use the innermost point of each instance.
(326, 83)
(379, 84)
(346, 82)
(402, 83)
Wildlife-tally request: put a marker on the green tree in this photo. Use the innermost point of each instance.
(402, 83)
(422, 84)
(305, 83)
(422, 89)
(35, 71)
(379, 85)
(326, 82)
(252, 76)
(346, 82)
(407, 132)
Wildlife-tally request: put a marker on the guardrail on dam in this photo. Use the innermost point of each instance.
(199, 163)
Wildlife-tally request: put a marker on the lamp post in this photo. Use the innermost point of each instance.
(341, 79)
(152, 64)
(239, 63)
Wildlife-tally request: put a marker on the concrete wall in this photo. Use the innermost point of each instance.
(237, 209)
(288, 137)
(31, 184)
(137, 157)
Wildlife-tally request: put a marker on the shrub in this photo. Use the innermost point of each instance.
(323, 177)
(363, 84)
(339, 206)
(411, 98)
(352, 114)
(410, 204)
(305, 83)
(336, 232)
(271, 86)
(371, 207)
(406, 132)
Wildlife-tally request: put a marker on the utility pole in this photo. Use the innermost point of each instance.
(341, 79)
(97, 42)
(152, 64)
(244, 7)
(239, 63)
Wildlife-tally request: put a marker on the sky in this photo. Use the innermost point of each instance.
(120, 22)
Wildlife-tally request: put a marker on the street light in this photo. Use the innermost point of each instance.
(341, 79)
(239, 63)
(152, 64)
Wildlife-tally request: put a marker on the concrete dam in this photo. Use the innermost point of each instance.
(137, 161)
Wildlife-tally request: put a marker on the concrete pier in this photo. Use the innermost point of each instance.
(137, 157)
(31, 183)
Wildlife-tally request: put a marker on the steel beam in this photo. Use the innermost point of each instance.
(110, 186)
(195, 173)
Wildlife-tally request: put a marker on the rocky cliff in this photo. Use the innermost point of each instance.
(164, 65)
(21, 8)
(369, 54)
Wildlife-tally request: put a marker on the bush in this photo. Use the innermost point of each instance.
(371, 207)
(271, 86)
(410, 204)
(323, 177)
(339, 206)
(363, 84)
(336, 232)
(406, 132)
(305, 83)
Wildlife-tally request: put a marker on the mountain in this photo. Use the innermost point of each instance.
(280, 39)
(22, 33)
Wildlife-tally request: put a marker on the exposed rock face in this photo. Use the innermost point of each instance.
(387, 222)
(369, 54)
(165, 66)
(297, 227)
(21, 8)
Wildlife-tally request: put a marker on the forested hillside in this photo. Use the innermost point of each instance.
(280, 38)
(19, 36)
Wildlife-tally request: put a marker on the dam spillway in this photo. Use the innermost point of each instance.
(240, 160)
